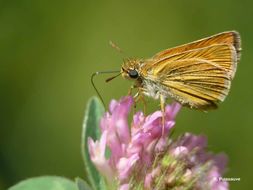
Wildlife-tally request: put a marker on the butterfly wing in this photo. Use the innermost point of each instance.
(197, 83)
(199, 76)
(230, 38)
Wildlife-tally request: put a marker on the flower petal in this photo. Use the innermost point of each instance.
(172, 110)
(125, 166)
(97, 155)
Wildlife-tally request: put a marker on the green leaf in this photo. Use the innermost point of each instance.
(93, 114)
(82, 185)
(45, 183)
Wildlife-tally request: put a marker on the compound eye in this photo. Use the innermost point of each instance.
(133, 74)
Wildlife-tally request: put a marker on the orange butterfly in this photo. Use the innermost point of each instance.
(197, 74)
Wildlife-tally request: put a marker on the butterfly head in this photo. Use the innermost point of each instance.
(131, 69)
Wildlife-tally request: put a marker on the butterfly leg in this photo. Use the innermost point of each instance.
(144, 104)
(136, 99)
(162, 104)
(139, 97)
(130, 91)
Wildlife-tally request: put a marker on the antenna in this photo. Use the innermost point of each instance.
(114, 46)
(107, 80)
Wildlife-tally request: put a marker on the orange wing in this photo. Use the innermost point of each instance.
(198, 74)
(230, 38)
(221, 56)
(197, 83)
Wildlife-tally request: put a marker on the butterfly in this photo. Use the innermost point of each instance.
(197, 74)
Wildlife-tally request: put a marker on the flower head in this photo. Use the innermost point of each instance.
(143, 157)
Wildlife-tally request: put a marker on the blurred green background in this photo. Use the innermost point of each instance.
(48, 50)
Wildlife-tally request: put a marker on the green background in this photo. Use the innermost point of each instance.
(48, 50)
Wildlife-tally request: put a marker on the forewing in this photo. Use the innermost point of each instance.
(230, 38)
(199, 78)
(221, 56)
